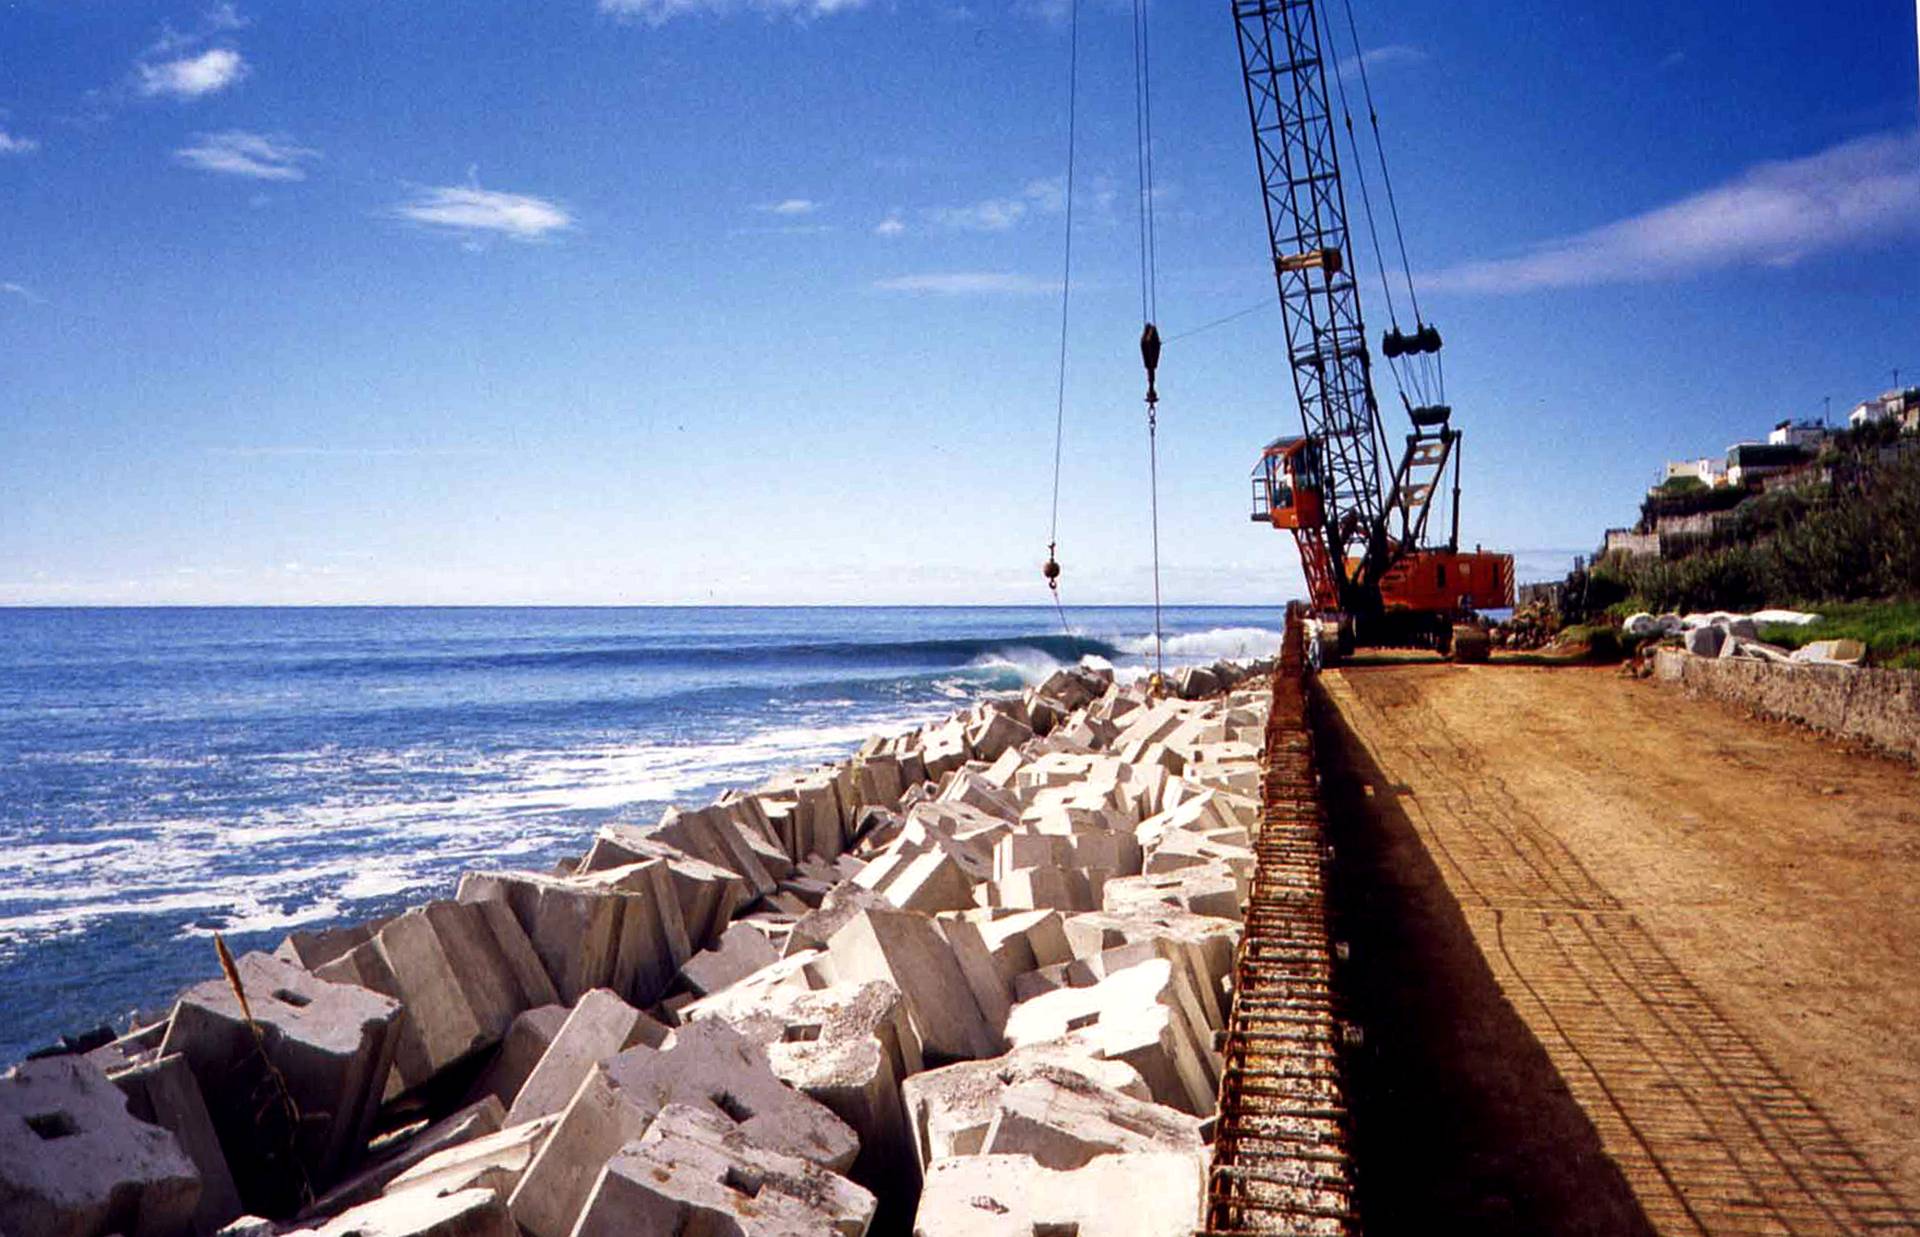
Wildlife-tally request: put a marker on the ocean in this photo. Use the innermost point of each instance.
(166, 774)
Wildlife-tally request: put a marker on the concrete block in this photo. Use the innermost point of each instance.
(314, 949)
(1051, 888)
(951, 1109)
(976, 791)
(706, 1064)
(1005, 769)
(463, 974)
(1142, 1195)
(74, 1162)
(422, 1213)
(1140, 1015)
(163, 1092)
(525, 1042)
(495, 1162)
(332, 1044)
(878, 780)
(930, 881)
(908, 951)
(693, 898)
(692, 1173)
(1203, 945)
(1208, 889)
(740, 952)
(849, 1047)
(599, 1027)
(944, 748)
(995, 734)
(470, 1123)
(1063, 1127)
(842, 903)
(618, 928)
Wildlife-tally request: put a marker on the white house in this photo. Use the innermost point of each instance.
(1797, 434)
(1891, 405)
(1706, 469)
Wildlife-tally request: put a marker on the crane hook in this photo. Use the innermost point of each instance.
(1150, 355)
(1051, 569)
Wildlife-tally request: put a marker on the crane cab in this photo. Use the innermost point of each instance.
(1288, 484)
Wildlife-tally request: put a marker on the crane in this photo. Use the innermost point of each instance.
(1373, 576)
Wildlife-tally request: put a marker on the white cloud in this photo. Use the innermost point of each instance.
(473, 211)
(892, 225)
(654, 12)
(1387, 57)
(192, 77)
(1048, 196)
(790, 206)
(22, 291)
(1772, 214)
(11, 144)
(239, 153)
(225, 16)
(968, 283)
(989, 215)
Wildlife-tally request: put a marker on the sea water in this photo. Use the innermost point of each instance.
(166, 774)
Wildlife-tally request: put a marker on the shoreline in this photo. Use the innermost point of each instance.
(936, 824)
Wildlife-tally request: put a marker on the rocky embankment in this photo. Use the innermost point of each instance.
(966, 982)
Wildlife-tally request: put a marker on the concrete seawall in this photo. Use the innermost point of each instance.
(1880, 708)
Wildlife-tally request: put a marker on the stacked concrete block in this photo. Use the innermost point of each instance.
(495, 1162)
(74, 1162)
(1063, 1125)
(919, 877)
(740, 951)
(850, 1047)
(1141, 1015)
(995, 733)
(707, 1065)
(950, 1110)
(909, 951)
(162, 1091)
(809, 811)
(329, 1045)
(693, 1172)
(1153, 1194)
(978, 791)
(1209, 889)
(521, 1048)
(944, 749)
(464, 971)
(620, 928)
(599, 1027)
(470, 1123)
(421, 1213)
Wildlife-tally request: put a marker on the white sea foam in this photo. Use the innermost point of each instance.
(1236, 643)
(260, 873)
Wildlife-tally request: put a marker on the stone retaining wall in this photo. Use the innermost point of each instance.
(1880, 708)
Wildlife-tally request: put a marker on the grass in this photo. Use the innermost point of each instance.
(1889, 629)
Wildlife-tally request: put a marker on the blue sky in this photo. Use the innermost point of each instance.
(756, 300)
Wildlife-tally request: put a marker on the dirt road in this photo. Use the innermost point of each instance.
(1624, 962)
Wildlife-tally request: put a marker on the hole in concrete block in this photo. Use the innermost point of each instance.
(802, 1033)
(735, 1110)
(741, 1183)
(1056, 1228)
(288, 996)
(52, 1125)
(1084, 1020)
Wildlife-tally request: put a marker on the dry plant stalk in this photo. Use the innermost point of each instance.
(282, 1095)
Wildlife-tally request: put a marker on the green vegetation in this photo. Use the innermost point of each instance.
(1673, 487)
(1846, 545)
(1855, 537)
(1889, 629)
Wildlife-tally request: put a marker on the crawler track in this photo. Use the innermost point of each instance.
(1280, 1159)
